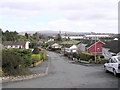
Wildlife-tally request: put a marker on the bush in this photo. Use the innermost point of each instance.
(36, 57)
(45, 45)
(36, 50)
(104, 59)
(44, 56)
(33, 45)
(75, 55)
(1, 72)
(86, 56)
(101, 56)
(24, 53)
(13, 63)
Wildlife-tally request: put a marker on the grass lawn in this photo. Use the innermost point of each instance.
(71, 42)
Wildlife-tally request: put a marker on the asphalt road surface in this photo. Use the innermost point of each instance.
(64, 74)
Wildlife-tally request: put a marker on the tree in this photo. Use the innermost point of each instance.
(10, 36)
(26, 35)
(36, 50)
(36, 36)
(59, 37)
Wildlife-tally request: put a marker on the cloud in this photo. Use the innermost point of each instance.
(67, 15)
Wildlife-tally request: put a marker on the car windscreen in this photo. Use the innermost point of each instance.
(118, 58)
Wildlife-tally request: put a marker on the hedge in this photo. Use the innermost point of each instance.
(44, 56)
(36, 57)
(86, 56)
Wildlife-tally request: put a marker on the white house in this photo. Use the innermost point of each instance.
(69, 48)
(55, 45)
(17, 45)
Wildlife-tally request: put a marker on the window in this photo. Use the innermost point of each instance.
(98, 49)
(113, 60)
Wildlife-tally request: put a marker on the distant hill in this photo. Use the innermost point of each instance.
(51, 32)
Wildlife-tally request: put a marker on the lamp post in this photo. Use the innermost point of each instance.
(95, 48)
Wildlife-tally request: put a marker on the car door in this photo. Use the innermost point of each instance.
(109, 67)
(112, 64)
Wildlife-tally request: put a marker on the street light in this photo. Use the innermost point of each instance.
(95, 48)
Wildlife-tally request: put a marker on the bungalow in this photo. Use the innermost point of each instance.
(90, 46)
(55, 45)
(111, 48)
(18, 45)
(70, 48)
(95, 47)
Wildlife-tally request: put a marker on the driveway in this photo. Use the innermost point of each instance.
(63, 73)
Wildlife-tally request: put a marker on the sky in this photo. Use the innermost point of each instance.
(100, 16)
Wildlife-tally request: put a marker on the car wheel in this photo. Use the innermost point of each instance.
(105, 69)
(114, 72)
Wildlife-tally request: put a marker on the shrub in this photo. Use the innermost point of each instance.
(36, 57)
(104, 59)
(13, 63)
(86, 56)
(24, 53)
(101, 56)
(44, 56)
(33, 45)
(75, 55)
(45, 45)
(1, 72)
(36, 50)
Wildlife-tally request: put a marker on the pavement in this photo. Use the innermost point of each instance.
(41, 68)
(62, 73)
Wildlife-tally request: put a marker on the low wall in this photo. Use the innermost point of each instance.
(37, 63)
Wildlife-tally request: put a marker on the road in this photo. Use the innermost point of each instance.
(64, 74)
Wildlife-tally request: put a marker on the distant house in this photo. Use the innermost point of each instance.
(111, 48)
(55, 45)
(70, 48)
(46, 41)
(82, 45)
(17, 45)
(90, 46)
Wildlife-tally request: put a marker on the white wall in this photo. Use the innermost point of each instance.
(27, 45)
(106, 53)
(81, 47)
